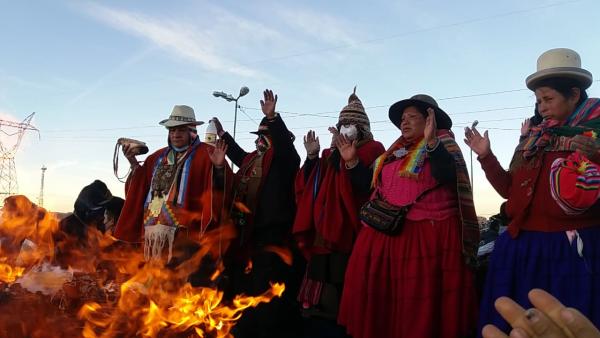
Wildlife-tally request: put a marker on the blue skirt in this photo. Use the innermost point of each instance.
(545, 260)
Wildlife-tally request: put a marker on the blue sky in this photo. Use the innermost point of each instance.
(97, 71)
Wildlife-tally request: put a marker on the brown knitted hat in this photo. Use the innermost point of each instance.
(354, 113)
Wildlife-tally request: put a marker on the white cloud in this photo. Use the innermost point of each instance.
(323, 27)
(178, 37)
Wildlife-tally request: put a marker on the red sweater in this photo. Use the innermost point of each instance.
(530, 205)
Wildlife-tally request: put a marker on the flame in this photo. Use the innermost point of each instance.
(110, 288)
(242, 207)
(248, 267)
(283, 253)
(9, 274)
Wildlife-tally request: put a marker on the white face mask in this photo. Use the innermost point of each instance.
(349, 131)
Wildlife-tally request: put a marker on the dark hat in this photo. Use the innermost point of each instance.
(94, 195)
(263, 128)
(422, 101)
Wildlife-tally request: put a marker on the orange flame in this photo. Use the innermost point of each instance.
(124, 295)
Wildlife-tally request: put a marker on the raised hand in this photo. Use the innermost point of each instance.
(346, 148)
(268, 103)
(217, 154)
(430, 126)
(219, 126)
(311, 144)
(479, 144)
(525, 126)
(334, 134)
(129, 152)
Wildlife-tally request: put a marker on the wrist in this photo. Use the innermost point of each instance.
(271, 116)
(485, 154)
(352, 163)
(221, 133)
(432, 144)
(312, 156)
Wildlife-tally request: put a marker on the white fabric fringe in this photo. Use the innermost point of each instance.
(155, 238)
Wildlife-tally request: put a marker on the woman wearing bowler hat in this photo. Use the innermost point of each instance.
(414, 282)
(549, 244)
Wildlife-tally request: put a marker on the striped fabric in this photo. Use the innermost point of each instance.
(574, 183)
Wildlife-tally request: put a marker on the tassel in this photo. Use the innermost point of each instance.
(353, 96)
(155, 238)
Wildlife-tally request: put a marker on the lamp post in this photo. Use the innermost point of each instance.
(243, 91)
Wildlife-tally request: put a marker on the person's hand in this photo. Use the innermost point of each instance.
(217, 154)
(347, 149)
(219, 126)
(334, 134)
(268, 104)
(430, 128)
(549, 319)
(311, 144)
(130, 152)
(479, 144)
(525, 126)
(588, 146)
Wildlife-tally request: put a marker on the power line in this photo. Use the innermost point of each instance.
(407, 33)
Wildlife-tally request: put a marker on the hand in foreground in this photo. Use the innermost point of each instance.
(549, 319)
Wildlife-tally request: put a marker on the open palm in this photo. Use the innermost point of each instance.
(268, 103)
(346, 148)
(478, 143)
(217, 154)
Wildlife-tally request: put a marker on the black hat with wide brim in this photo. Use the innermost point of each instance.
(422, 101)
(263, 129)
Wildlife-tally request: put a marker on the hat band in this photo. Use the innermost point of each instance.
(182, 118)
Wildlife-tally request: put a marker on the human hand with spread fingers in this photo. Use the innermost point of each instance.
(311, 144)
(217, 154)
(268, 103)
(548, 319)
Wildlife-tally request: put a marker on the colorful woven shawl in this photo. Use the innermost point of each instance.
(401, 148)
(470, 225)
(552, 135)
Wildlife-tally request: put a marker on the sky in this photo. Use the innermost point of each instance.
(96, 71)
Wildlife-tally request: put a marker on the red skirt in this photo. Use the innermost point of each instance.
(415, 284)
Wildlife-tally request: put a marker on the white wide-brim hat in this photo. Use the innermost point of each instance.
(181, 115)
(560, 63)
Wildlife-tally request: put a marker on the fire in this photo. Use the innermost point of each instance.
(108, 290)
(9, 274)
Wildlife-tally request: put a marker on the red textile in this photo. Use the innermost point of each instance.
(415, 284)
(198, 211)
(333, 212)
(529, 204)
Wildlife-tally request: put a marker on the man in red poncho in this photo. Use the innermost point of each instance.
(327, 221)
(179, 191)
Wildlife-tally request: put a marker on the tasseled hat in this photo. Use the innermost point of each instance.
(354, 113)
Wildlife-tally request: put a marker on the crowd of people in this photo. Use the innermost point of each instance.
(376, 242)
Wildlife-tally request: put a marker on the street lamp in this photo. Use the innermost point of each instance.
(243, 91)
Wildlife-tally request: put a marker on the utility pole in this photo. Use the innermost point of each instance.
(41, 197)
(8, 171)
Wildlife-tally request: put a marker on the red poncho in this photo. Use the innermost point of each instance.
(327, 206)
